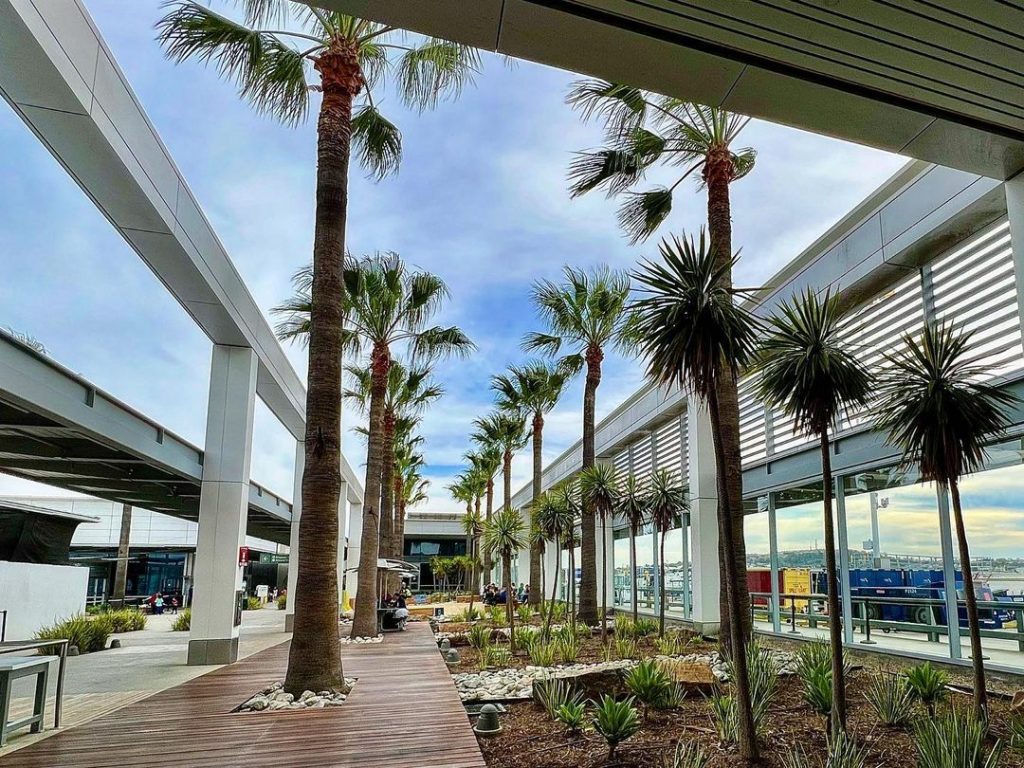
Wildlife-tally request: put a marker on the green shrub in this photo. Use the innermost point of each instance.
(627, 647)
(126, 620)
(471, 614)
(928, 684)
(649, 683)
(674, 697)
(891, 699)
(554, 693)
(689, 754)
(253, 604)
(525, 637)
(568, 648)
(496, 615)
(183, 623)
(616, 721)
(644, 627)
(1016, 726)
(623, 625)
(558, 611)
(672, 644)
(541, 654)
(953, 741)
(843, 752)
(479, 636)
(817, 689)
(494, 656)
(525, 613)
(573, 715)
(282, 602)
(88, 634)
(763, 674)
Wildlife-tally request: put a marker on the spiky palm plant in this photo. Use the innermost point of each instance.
(805, 369)
(385, 306)
(277, 70)
(534, 389)
(633, 506)
(695, 335)
(504, 536)
(599, 487)
(586, 314)
(553, 519)
(645, 130)
(666, 503)
(935, 407)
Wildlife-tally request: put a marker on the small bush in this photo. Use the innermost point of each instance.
(558, 611)
(817, 689)
(649, 683)
(525, 637)
(674, 697)
(623, 625)
(568, 648)
(763, 674)
(496, 615)
(471, 614)
(1016, 726)
(541, 654)
(953, 741)
(88, 634)
(627, 647)
(689, 754)
(573, 715)
(928, 684)
(843, 752)
(644, 627)
(723, 715)
(672, 644)
(282, 602)
(253, 604)
(554, 693)
(126, 620)
(184, 621)
(616, 721)
(891, 699)
(525, 613)
(479, 636)
(494, 656)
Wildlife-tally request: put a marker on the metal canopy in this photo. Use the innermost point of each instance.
(56, 428)
(937, 80)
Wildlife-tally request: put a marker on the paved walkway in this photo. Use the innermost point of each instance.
(403, 713)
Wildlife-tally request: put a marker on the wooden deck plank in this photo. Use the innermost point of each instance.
(404, 712)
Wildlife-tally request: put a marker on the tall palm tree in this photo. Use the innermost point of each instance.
(410, 487)
(935, 408)
(553, 519)
(504, 536)
(599, 487)
(586, 314)
(807, 372)
(534, 389)
(487, 462)
(385, 306)
(507, 431)
(345, 57)
(633, 506)
(694, 334)
(645, 130)
(667, 504)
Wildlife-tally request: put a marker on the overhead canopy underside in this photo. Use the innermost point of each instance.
(937, 80)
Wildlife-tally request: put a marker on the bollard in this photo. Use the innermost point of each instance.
(867, 627)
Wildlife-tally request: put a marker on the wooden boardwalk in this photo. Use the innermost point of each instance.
(404, 712)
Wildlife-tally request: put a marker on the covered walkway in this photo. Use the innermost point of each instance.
(403, 711)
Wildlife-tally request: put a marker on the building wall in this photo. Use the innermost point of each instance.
(35, 595)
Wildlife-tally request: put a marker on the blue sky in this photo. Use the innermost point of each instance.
(480, 200)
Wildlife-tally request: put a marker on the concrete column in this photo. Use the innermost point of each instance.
(355, 533)
(223, 506)
(773, 549)
(293, 538)
(121, 570)
(706, 612)
(610, 575)
(844, 560)
(949, 573)
(1014, 190)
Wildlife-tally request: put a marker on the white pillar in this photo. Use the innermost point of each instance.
(609, 588)
(223, 506)
(949, 573)
(706, 613)
(355, 534)
(293, 539)
(1014, 190)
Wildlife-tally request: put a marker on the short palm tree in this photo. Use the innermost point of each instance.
(567, 496)
(645, 130)
(599, 487)
(346, 57)
(805, 369)
(534, 389)
(473, 528)
(694, 334)
(667, 503)
(633, 506)
(486, 461)
(385, 306)
(553, 519)
(936, 409)
(409, 485)
(504, 536)
(586, 314)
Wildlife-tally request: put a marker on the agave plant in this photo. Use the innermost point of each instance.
(649, 683)
(616, 721)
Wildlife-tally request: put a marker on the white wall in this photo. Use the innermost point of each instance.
(35, 595)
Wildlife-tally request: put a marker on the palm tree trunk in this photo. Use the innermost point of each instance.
(506, 478)
(718, 174)
(588, 533)
(746, 728)
(604, 579)
(536, 578)
(314, 657)
(632, 559)
(510, 611)
(838, 717)
(663, 598)
(387, 496)
(971, 600)
(572, 580)
(488, 563)
(554, 597)
(364, 623)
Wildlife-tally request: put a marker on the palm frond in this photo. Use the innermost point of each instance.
(622, 108)
(643, 212)
(435, 70)
(376, 141)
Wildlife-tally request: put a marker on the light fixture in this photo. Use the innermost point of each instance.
(487, 724)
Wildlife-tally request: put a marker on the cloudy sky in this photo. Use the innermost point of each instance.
(480, 200)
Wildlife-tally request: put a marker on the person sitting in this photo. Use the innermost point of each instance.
(501, 598)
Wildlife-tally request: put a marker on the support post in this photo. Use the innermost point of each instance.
(355, 534)
(686, 565)
(223, 506)
(773, 550)
(706, 611)
(845, 589)
(1014, 191)
(949, 573)
(293, 538)
(121, 572)
(342, 537)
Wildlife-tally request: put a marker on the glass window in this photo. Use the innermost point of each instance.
(622, 579)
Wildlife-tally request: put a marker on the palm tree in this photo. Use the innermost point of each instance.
(936, 410)
(667, 504)
(599, 487)
(504, 535)
(486, 461)
(473, 529)
(567, 496)
(586, 314)
(553, 518)
(694, 334)
(534, 389)
(349, 57)
(633, 507)
(807, 372)
(385, 306)
(507, 431)
(645, 130)
(410, 487)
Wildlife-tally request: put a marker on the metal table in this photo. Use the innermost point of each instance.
(17, 646)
